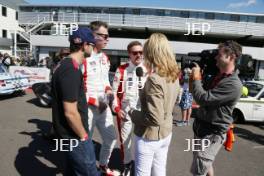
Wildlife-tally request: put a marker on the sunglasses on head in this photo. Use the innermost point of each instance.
(104, 36)
(136, 52)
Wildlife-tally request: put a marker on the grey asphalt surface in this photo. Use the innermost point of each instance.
(24, 152)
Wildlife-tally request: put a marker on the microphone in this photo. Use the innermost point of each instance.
(139, 73)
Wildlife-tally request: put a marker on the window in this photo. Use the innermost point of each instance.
(147, 11)
(44, 9)
(35, 9)
(68, 10)
(175, 13)
(209, 16)
(185, 14)
(94, 10)
(136, 11)
(260, 19)
(252, 19)
(234, 18)
(222, 16)
(253, 88)
(194, 15)
(128, 11)
(160, 12)
(243, 18)
(4, 33)
(4, 11)
(201, 15)
(197, 15)
(167, 12)
(16, 15)
(116, 10)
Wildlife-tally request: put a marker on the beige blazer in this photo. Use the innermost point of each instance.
(154, 121)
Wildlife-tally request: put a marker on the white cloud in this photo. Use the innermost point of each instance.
(242, 4)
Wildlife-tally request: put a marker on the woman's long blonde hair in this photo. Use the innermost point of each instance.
(158, 55)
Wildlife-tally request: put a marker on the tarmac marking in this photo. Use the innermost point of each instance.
(259, 147)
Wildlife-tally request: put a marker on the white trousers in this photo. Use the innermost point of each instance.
(151, 156)
(126, 134)
(105, 125)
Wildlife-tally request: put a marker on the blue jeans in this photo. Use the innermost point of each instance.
(82, 161)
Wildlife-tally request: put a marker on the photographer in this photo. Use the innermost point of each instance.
(217, 102)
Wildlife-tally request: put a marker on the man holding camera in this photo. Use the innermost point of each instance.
(217, 102)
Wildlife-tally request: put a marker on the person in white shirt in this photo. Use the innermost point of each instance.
(98, 93)
(126, 87)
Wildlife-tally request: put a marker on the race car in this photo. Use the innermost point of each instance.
(11, 83)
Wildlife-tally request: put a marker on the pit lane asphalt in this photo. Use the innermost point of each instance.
(24, 152)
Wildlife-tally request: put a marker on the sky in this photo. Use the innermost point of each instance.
(244, 6)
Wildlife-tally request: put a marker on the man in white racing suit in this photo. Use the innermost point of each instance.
(126, 87)
(98, 93)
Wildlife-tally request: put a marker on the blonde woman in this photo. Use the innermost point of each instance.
(153, 123)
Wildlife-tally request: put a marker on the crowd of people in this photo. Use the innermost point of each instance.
(143, 95)
(30, 61)
(8, 60)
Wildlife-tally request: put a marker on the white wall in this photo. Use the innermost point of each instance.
(44, 51)
(4, 50)
(9, 22)
(121, 44)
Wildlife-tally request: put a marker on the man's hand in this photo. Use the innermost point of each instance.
(196, 72)
(73, 118)
(121, 114)
(102, 106)
(110, 96)
(109, 92)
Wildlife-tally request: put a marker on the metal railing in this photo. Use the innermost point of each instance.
(142, 21)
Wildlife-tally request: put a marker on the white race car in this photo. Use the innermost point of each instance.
(11, 83)
(251, 108)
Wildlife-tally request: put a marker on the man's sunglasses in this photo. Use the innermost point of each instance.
(105, 36)
(136, 52)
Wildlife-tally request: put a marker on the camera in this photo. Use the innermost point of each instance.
(207, 63)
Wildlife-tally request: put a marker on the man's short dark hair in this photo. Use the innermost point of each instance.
(75, 47)
(231, 47)
(95, 25)
(133, 43)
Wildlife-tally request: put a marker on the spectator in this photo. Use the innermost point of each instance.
(186, 99)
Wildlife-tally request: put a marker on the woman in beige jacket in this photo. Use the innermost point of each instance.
(153, 124)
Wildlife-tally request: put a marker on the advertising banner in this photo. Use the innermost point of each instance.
(34, 74)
